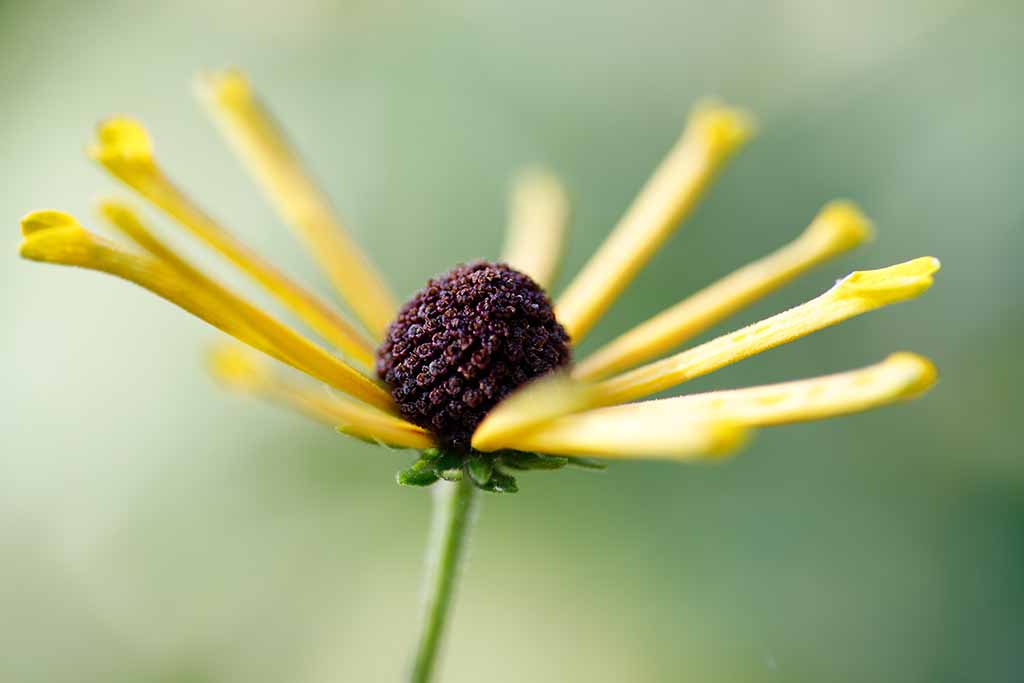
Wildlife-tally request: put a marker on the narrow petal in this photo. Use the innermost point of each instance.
(56, 237)
(242, 371)
(544, 401)
(263, 146)
(900, 377)
(532, 405)
(857, 293)
(622, 432)
(120, 216)
(712, 135)
(838, 227)
(538, 213)
(124, 149)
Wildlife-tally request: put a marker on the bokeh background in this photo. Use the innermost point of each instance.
(155, 528)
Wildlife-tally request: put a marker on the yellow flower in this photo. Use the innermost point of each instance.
(593, 407)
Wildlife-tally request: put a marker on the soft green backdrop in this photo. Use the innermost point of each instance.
(154, 528)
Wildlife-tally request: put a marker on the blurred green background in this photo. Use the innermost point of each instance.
(155, 528)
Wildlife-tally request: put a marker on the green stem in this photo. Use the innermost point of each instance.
(449, 529)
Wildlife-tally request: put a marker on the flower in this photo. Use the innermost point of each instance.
(475, 370)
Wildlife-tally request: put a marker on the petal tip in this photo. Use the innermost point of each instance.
(843, 222)
(234, 367)
(121, 138)
(53, 236)
(890, 285)
(113, 210)
(724, 128)
(46, 219)
(921, 372)
(226, 86)
(727, 438)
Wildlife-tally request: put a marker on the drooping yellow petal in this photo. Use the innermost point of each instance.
(243, 371)
(622, 433)
(838, 227)
(712, 135)
(56, 237)
(261, 143)
(533, 404)
(124, 149)
(900, 377)
(538, 213)
(857, 293)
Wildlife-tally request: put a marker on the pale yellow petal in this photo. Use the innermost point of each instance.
(533, 404)
(56, 237)
(123, 148)
(242, 371)
(838, 227)
(900, 377)
(271, 159)
(712, 135)
(855, 294)
(621, 432)
(538, 213)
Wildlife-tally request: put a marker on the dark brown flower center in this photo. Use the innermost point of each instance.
(465, 342)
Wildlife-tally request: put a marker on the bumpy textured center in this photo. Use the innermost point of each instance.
(465, 342)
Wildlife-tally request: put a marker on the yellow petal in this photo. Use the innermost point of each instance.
(624, 432)
(711, 136)
(533, 404)
(857, 293)
(123, 148)
(900, 377)
(544, 401)
(244, 372)
(56, 237)
(538, 212)
(122, 217)
(264, 148)
(838, 227)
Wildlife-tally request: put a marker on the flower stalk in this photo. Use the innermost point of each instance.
(454, 504)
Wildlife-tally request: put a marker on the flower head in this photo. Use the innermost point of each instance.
(464, 343)
(475, 370)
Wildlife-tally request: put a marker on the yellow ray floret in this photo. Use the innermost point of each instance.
(620, 434)
(538, 212)
(122, 217)
(530, 406)
(56, 237)
(838, 227)
(261, 143)
(857, 293)
(241, 370)
(900, 377)
(711, 136)
(246, 317)
(124, 149)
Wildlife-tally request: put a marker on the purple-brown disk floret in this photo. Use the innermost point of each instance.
(464, 343)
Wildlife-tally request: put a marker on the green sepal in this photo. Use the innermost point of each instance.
(450, 475)
(500, 483)
(431, 453)
(586, 463)
(480, 470)
(448, 466)
(483, 468)
(422, 473)
(518, 460)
